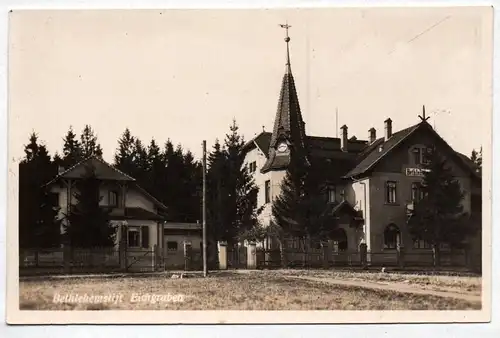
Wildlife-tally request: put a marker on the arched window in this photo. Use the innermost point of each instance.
(340, 239)
(391, 236)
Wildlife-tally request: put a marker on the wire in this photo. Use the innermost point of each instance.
(423, 32)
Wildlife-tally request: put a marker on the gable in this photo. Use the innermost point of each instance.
(103, 171)
(402, 156)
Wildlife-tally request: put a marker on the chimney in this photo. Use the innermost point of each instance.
(60, 170)
(388, 128)
(343, 140)
(372, 135)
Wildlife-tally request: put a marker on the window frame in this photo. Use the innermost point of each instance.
(267, 191)
(392, 229)
(111, 193)
(391, 186)
(421, 244)
(416, 189)
(137, 230)
(417, 155)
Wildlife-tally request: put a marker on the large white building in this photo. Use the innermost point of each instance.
(370, 184)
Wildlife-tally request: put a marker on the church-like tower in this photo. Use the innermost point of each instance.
(288, 138)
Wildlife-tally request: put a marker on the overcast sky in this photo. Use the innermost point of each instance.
(184, 75)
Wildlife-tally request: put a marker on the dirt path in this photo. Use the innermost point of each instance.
(391, 286)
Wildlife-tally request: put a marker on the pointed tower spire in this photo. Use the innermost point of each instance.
(289, 128)
(286, 26)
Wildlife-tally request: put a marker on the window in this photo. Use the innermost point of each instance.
(421, 244)
(133, 238)
(420, 154)
(417, 155)
(172, 246)
(390, 192)
(267, 191)
(293, 243)
(113, 199)
(416, 192)
(426, 155)
(391, 237)
(138, 237)
(252, 167)
(331, 195)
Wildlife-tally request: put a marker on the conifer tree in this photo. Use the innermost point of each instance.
(192, 182)
(242, 190)
(216, 193)
(39, 225)
(89, 144)
(124, 155)
(88, 223)
(174, 159)
(439, 217)
(156, 182)
(140, 162)
(57, 161)
(299, 212)
(72, 150)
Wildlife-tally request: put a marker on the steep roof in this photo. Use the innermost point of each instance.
(378, 149)
(375, 152)
(261, 141)
(288, 123)
(104, 171)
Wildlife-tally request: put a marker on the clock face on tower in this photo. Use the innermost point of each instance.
(282, 147)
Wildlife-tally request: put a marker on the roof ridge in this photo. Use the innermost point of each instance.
(85, 160)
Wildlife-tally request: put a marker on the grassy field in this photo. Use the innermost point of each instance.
(456, 283)
(228, 291)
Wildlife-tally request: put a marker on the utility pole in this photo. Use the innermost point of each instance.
(337, 122)
(205, 266)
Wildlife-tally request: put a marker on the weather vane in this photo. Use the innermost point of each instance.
(423, 117)
(286, 26)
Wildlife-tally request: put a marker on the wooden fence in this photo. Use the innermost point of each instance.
(317, 258)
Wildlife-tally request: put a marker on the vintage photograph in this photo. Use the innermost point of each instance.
(264, 160)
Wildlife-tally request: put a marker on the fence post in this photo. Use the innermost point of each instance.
(327, 253)
(122, 251)
(154, 260)
(122, 248)
(400, 252)
(67, 258)
(222, 255)
(363, 255)
(188, 253)
(252, 256)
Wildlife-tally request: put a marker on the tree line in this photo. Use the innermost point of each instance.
(173, 176)
(168, 172)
